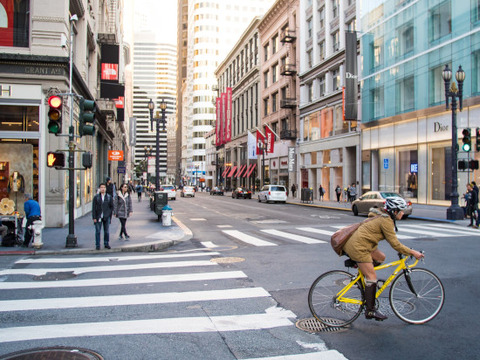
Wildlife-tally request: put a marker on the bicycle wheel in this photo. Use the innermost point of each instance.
(417, 297)
(323, 303)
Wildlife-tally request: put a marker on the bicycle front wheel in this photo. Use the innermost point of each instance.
(417, 296)
(324, 303)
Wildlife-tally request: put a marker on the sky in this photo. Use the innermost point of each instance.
(157, 16)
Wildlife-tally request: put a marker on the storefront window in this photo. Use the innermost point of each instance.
(327, 123)
(19, 118)
(408, 173)
(441, 179)
(315, 126)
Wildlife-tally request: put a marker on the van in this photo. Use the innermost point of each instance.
(273, 193)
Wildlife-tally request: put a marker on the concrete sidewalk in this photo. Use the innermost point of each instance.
(146, 234)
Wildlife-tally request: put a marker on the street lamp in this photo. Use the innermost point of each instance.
(163, 107)
(148, 151)
(454, 212)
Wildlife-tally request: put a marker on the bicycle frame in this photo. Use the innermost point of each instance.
(400, 265)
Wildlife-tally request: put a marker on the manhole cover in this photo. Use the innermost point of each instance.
(50, 276)
(313, 325)
(57, 353)
(227, 260)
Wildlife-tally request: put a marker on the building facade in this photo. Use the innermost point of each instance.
(329, 145)
(406, 129)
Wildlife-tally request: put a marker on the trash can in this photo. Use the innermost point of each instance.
(306, 195)
(167, 215)
(160, 200)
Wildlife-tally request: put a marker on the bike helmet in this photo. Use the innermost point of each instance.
(392, 204)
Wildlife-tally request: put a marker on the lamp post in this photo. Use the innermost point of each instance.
(262, 146)
(148, 151)
(163, 107)
(196, 175)
(454, 212)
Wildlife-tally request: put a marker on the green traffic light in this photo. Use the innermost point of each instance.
(53, 127)
(466, 147)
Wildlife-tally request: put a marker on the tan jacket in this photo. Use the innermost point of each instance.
(368, 235)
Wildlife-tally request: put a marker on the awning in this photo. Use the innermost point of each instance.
(240, 170)
(231, 171)
(251, 170)
(225, 171)
(247, 170)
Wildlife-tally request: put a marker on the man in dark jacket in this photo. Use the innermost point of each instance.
(102, 210)
(110, 187)
(472, 200)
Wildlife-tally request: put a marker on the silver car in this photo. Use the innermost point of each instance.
(376, 199)
(273, 193)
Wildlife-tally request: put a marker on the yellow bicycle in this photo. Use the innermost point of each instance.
(336, 298)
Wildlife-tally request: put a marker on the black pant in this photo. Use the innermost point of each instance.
(338, 197)
(139, 194)
(28, 232)
(123, 230)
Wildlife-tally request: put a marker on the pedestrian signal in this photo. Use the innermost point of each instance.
(467, 140)
(56, 159)
(477, 137)
(55, 114)
(87, 160)
(473, 165)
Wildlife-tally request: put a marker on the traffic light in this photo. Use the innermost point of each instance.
(56, 159)
(463, 164)
(477, 137)
(473, 165)
(55, 114)
(467, 140)
(87, 158)
(87, 117)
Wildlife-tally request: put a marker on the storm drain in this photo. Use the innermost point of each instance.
(313, 325)
(56, 353)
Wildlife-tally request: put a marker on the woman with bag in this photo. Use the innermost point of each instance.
(122, 209)
(362, 247)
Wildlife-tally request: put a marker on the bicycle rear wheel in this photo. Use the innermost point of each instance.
(323, 302)
(417, 297)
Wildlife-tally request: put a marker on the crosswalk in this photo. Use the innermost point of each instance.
(127, 296)
(321, 235)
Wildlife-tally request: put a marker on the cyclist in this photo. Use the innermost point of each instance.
(362, 247)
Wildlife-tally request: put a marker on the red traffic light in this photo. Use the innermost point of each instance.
(55, 101)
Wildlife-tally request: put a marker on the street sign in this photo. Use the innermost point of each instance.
(385, 164)
(115, 155)
(121, 170)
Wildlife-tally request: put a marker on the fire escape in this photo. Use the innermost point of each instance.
(287, 101)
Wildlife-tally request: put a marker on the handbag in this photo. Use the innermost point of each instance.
(340, 237)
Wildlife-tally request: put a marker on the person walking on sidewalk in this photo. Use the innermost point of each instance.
(294, 189)
(110, 188)
(122, 208)
(321, 192)
(32, 213)
(338, 192)
(139, 189)
(102, 210)
(472, 204)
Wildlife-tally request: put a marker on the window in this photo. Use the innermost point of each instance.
(14, 24)
(284, 91)
(274, 73)
(437, 85)
(440, 21)
(310, 92)
(335, 79)
(309, 28)
(405, 39)
(274, 44)
(265, 51)
(475, 72)
(321, 17)
(309, 58)
(274, 101)
(405, 91)
(377, 104)
(265, 79)
(476, 11)
(265, 107)
(377, 52)
(321, 49)
(336, 41)
(284, 124)
(335, 8)
(321, 85)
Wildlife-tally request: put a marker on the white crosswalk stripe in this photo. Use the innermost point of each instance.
(290, 236)
(248, 238)
(60, 317)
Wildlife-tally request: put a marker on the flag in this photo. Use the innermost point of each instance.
(260, 140)
(251, 146)
(228, 115)
(270, 139)
(218, 121)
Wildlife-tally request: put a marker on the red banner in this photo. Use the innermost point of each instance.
(109, 71)
(228, 115)
(260, 140)
(6, 29)
(270, 139)
(217, 122)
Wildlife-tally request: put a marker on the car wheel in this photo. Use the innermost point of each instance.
(355, 210)
(259, 199)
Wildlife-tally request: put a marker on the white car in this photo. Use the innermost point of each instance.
(170, 190)
(273, 193)
(187, 191)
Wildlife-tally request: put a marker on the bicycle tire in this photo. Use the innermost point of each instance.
(322, 299)
(417, 308)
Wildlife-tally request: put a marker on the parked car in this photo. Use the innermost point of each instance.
(241, 192)
(376, 199)
(171, 190)
(216, 191)
(273, 193)
(187, 191)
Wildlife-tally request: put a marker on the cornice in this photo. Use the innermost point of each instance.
(48, 19)
(272, 13)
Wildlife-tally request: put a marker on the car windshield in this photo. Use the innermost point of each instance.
(168, 187)
(389, 195)
(277, 188)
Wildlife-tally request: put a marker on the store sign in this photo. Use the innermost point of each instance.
(414, 168)
(291, 159)
(109, 71)
(115, 155)
(283, 163)
(439, 127)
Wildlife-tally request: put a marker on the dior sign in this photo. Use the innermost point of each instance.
(438, 127)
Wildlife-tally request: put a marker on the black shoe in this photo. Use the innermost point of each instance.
(97, 248)
(107, 247)
(127, 237)
(469, 225)
(378, 316)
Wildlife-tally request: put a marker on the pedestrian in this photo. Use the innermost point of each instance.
(122, 208)
(294, 189)
(32, 213)
(102, 210)
(110, 187)
(352, 193)
(321, 192)
(338, 192)
(139, 189)
(345, 194)
(472, 204)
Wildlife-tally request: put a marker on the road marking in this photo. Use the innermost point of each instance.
(446, 231)
(89, 269)
(275, 317)
(123, 281)
(224, 226)
(124, 300)
(399, 236)
(109, 258)
(322, 355)
(198, 219)
(467, 230)
(247, 238)
(209, 244)
(290, 236)
(317, 231)
(420, 232)
(268, 221)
